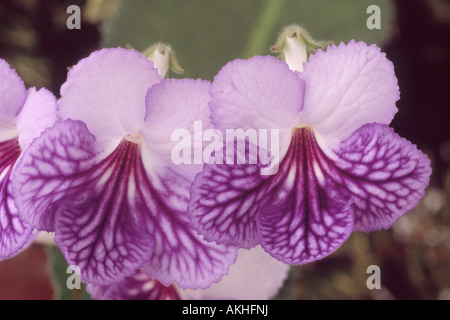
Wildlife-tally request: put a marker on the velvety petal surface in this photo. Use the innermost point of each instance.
(107, 91)
(110, 216)
(384, 174)
(254, 276)
(348, 86)
(38, 113)
(14, 232)
(302, 220)
(259, 93)
(225, 200)
(180, 255)
(310, 207)
(136, 287)
(176, 106)
(51, 169)
(12, 98)
(104, 242)
(291, 214)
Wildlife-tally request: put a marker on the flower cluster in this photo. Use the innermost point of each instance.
(96, 168)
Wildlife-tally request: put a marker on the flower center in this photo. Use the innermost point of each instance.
(135, 138)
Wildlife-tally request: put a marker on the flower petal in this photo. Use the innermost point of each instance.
(107, 91)
(50, 169)
(86, 201)
(225, 199)
(259, 93)
(180, 255)
(62, 178)
(37, 114)
(177, 105)
(136, 287)
(292, 214)
(306, 225)
(12, 98)
(254, 276)
(302, 220)
(384, 174)
(346, 87)
(173, 105)
(15, 233)
(95, 232)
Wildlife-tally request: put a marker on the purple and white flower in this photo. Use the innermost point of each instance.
(24, 114)
(342, 168)
(254, 276)
(103, 180)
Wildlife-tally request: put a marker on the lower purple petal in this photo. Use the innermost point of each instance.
(291, 214)
(96, 234)
(306, 226)
(385, 175)
(15, 233)
(302, 221)
(50, 170)
(111, 217)
(225, 200)
(310, 207)
(180, 255)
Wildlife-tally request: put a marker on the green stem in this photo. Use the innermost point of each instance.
(259, 36)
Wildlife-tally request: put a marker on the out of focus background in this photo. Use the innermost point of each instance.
(413, 256)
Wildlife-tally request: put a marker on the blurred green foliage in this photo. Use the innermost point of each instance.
(60, 275)
(206, 34)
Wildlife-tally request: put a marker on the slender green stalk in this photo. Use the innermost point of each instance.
(259, 37)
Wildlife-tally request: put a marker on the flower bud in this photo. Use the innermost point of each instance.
(163, 58)
(295, 45)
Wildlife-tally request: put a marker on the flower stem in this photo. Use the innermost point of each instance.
(259, 37)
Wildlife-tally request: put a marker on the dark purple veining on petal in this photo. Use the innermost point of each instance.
(225, 200)
(310, 206)
(53, 168)
(180, 255)
(291, 213)
(143, 215)
(9, 153)
(95, 228)
(136, 287)
(14, 232)
(384, 174)
(302, 219)
(106, 211)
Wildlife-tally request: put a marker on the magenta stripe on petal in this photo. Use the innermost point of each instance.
(310, 207)
(303, 220)
(14, 232)
(110, 216)
(180, 255)
(291, 214)
(95, 228)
